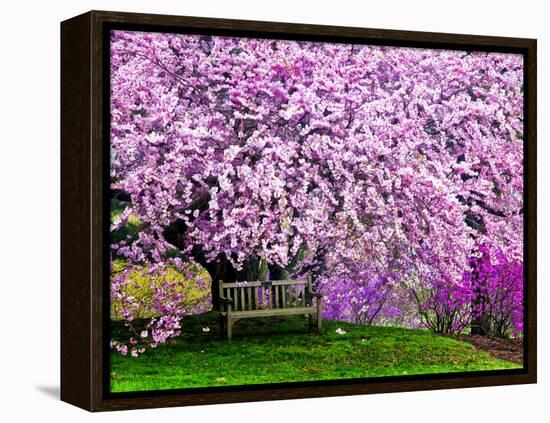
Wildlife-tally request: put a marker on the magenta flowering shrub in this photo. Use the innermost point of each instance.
(364, 166)
(489, 297)
(497, 283)
(444, 306)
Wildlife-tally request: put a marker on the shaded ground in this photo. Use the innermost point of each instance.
(504, 349)
(272, 350)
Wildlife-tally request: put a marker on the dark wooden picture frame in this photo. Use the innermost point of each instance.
(84, 231)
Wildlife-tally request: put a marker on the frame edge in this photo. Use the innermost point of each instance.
(76, 298)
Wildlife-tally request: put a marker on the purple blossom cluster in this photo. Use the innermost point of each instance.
(367, 167)
(365, 299)
(488, 297)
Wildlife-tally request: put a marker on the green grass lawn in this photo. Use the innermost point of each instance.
(274, 350)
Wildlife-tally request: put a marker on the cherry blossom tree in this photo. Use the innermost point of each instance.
(346, 162)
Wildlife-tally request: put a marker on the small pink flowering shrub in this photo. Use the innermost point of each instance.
(151, 303)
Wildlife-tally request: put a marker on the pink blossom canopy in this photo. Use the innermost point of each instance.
(331, 159)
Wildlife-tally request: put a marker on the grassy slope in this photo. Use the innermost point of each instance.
(281, 350)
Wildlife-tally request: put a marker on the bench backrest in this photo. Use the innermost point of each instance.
(267, 294)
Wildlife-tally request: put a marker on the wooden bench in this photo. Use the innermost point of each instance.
(244, 300)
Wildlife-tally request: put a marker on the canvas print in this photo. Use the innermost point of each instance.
(288, 211)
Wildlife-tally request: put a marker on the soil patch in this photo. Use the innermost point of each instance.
(505, 349)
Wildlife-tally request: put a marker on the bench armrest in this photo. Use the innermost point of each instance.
(315, 294)
(226, 300)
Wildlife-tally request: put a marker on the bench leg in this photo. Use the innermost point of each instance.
(229, 327)
(221, 326)
(318, 315)
(309, 322)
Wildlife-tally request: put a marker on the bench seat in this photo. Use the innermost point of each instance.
(273, 312)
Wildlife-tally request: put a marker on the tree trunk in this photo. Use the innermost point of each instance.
(219, 269)
(224, 270)
(479, 323)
